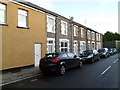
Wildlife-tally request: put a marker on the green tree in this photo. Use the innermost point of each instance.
(109, 39)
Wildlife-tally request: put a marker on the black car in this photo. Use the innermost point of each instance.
(59, 62)
(115, 50)
(90, 56)
(111, 51)
(104, 52)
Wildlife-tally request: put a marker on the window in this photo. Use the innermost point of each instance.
(63, 28)
(50, 45)
(88, 34)
(82, 46)
(64, 46)
(51, 24)
(97, 36)
(75, 30)
(22, 18)
(75, 47)
(93, 36)
(82, 32)
(2, 13)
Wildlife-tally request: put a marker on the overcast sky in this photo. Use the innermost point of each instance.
(100, 15)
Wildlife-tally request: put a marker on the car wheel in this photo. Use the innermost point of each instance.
(105, 56)
(62, 69)
(80, 64)
(92, 60)
(98, 58)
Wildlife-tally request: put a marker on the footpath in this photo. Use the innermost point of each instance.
(18, 75)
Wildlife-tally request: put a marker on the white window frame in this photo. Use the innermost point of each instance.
(75, 49)
(99, 37)
(63, 30)
(48, 27)
(3, 9)
(53, 44)
(64, 40)
(82, 46)
(82, 32)
(93, 35)
(24, 14)
(75, 30)
(88, 34)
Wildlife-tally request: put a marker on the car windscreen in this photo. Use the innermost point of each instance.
(86, 53)
(101, 50)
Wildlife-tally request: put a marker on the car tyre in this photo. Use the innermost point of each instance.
(92, 60)
(62, 69)
(80, 64)
(98, 58)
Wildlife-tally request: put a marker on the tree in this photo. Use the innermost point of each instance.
(109, 39)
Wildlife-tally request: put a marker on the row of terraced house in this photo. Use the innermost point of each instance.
(28, 32)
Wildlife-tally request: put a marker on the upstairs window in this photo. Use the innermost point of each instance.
(82, 32)
(75, 30)
(22, 18)
(88, 34)
(93, 36)
(51, 24)
(2, 13)
(63, 27)
(97, 36)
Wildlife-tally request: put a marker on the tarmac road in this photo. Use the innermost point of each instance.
(100, 74)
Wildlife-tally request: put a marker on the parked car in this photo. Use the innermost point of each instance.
(90, 56)
(104, 52)
(114, 50)
(59, 62)
(110, 51)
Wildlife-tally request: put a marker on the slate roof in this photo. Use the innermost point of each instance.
(49, 12)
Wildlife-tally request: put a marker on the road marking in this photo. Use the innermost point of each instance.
(18, 80)
(115, 61)
(33, 80)
(106, 70)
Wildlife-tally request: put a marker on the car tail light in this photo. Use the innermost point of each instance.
(56, 60)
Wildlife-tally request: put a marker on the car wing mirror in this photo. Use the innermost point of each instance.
(75, 56)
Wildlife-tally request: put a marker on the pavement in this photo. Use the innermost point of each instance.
(12, 76)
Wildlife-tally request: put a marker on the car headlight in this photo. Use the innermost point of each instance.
(104, 53)
(90, 56)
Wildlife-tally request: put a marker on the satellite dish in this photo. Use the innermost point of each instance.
(71, 18)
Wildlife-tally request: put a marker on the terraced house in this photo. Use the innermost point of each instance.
(28, 31)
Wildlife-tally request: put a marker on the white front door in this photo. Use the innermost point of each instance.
(37, 54)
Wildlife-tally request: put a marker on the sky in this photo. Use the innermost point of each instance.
(100, 15)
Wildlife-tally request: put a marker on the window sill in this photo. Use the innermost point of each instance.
(22, 27)
(4, 24)
(63, 34)
(50, 32)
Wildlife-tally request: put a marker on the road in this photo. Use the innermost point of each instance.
(100, 74)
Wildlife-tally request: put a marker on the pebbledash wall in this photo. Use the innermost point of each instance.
(41, 32)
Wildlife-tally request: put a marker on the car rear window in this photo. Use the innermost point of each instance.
(51, 55)
(86, 53)
(101, 50)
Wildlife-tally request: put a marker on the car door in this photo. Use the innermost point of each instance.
(73, 60)
(64, 58)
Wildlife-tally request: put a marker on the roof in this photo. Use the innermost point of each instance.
(49, 12)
